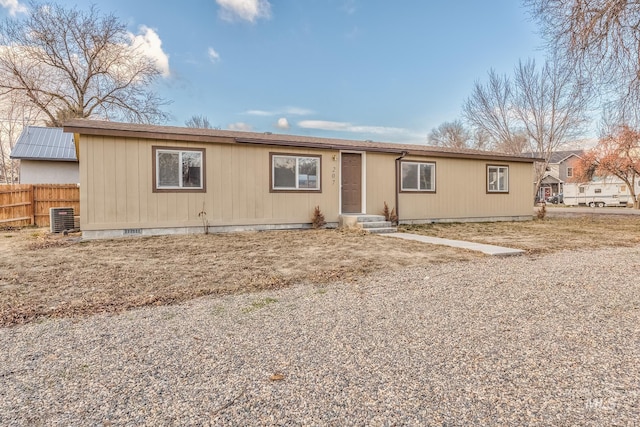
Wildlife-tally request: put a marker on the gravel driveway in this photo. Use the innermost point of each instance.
(549, 340)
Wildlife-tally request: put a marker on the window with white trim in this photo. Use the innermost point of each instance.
(569, 172)
(178, 169)
(497, 179)
(418, 176)
(295, 173)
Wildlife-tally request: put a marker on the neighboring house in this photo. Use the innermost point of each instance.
(559, 171)
(143, 179)
(47, 156)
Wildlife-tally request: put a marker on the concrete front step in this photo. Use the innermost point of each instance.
(370, 223)
(381, 230)
(375, 224)
(370, 218)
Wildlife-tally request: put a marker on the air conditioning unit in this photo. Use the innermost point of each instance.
(61, 219)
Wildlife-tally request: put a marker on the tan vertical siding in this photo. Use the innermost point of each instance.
(117, 183)
(460, 190)
(381, 184)
(117, 187)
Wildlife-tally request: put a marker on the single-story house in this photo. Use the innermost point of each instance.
(146, 179)
(47, 156)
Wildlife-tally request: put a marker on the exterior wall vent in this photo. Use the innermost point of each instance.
(61, 219)
(132, 231)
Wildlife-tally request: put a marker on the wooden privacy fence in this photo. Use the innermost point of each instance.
(28, 204)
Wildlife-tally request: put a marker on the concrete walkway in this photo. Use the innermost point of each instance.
(487, 249)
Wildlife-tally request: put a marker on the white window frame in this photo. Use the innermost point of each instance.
(569, 172)
(498, 169)
(432, 166)
(297, 157)
(180, 152)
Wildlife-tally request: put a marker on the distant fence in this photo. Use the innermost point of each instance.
(28, 204)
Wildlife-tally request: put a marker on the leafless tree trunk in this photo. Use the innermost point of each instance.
(72, 63)
(551, 105)
(545, 107)
(489, 111)
(15, 114)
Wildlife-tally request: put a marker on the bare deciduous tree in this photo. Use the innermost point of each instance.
(200, 122)
(517, 144)
(544, 108)
(489, 111)
(600, 38)
(73, 63)
(450, 134)
(482, 140)
(457, 135)
(15, 114)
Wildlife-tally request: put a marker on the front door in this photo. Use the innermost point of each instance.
(351, 183)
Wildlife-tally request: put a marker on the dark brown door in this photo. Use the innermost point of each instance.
(351, 183)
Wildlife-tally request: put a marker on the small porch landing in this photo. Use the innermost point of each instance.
(370, 223)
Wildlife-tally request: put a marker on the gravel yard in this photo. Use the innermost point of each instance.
(540, 339)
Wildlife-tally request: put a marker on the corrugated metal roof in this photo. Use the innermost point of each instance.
(41, 143)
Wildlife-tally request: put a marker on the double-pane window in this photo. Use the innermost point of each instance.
(497, 179)
(418, 176)
(178, 169)
(289, 172)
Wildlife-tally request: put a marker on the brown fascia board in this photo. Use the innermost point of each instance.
(174, 133)
(317, 145)
(389, 149)
(144, 134)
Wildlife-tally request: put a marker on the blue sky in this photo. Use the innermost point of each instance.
(356, 69)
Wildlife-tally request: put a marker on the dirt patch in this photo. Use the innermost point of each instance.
(49, 275)
(44, 275)
(543, 236)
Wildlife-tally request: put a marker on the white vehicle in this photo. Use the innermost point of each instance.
(598, 194)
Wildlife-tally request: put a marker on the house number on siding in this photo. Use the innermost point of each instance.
(333, 175)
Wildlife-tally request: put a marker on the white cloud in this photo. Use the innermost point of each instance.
(247, 10)
(149, 42)
(14, 6)
(293, 111)
(213, 55)
(283, 123)
(296, 111)
(260, 113)
(240, 126)
(348, 127)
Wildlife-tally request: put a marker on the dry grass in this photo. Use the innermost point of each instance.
(43, 275)
(542, 236)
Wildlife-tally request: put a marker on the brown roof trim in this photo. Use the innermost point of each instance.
(144, 133)
(183, 134)
(392, 150)
(317, 145)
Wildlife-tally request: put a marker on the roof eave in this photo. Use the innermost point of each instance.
(46, 159)
(389, 150)
(144, 134)
(89, 127)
